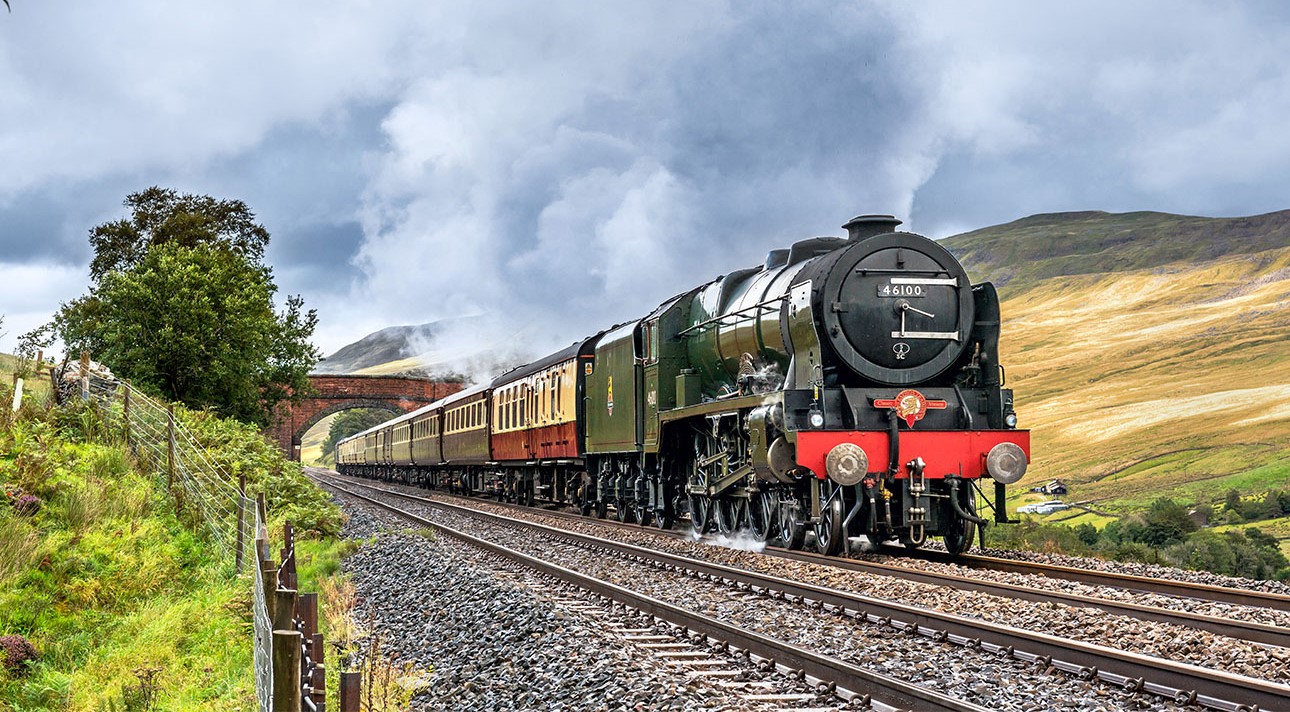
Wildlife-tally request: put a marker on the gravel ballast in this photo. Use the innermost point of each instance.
(993, 682)
(496, 636)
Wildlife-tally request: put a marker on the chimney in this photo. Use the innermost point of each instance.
(863, 227)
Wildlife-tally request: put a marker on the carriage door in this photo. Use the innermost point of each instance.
(649, 356)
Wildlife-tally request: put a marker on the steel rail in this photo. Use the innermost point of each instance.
(850, 681)
(1229, 627)
(1181, 589)
(1181, 682)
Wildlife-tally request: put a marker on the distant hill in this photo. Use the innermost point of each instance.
(1150, 353)
(392, 343)
(448, 349)
(1020, 253)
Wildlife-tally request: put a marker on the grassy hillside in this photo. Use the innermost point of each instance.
(125, 605)
(1150, 353)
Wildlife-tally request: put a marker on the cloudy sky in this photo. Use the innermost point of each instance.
(559, 166)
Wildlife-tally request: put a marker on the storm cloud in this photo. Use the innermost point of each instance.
(560, 167)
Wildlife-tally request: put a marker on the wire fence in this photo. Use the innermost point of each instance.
(263, 628)
(205, 495)
(288, 648)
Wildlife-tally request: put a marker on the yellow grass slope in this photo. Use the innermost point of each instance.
(1163, 381)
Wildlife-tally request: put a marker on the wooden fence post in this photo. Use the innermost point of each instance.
(269, 580)
(289, 555)
(17, 392)
(261, 506)
(84, 374)
(286, 670)
(284, 612)
(350, 684)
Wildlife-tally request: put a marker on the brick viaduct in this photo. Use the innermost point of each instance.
(336, 393)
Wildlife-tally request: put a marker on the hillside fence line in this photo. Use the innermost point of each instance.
(288, 649)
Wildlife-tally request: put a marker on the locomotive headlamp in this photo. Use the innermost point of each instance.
(1006, 463)
(846, 464)
(816, 419)
(1010, 420)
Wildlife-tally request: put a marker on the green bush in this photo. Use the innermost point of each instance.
(1233, 553)
(241, 449)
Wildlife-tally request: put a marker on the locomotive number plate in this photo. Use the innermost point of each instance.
(902, 290)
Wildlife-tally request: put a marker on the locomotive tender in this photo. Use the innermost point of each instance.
(848, 386)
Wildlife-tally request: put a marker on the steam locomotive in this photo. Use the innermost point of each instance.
(845, 387)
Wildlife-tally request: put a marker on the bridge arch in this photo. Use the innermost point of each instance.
(334, 393)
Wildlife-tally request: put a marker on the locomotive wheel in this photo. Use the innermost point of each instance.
(958, 538)
(624, 511)
(792, 531)
(727, 513)
(602, 509)
(828, 532)
(641, 511)
(760, 519)
(665, 517)
(698, 514)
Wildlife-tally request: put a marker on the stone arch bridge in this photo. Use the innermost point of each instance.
(332, 394)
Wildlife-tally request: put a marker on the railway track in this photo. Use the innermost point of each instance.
(1178, 682)
(1230, 627)
(881, 692)
(1166, 587)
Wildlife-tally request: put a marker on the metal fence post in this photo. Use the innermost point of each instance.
(307, 606)
(241, 511)
(318, 684)
(125, 417)
(350, 684)
(170, 450)
(286, 670)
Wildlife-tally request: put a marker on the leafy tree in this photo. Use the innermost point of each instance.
(1261, 539)
(161, 216)
(1167, 522)
(182, 303)
(1233, 553)
(1087, 534)
(350, 422)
